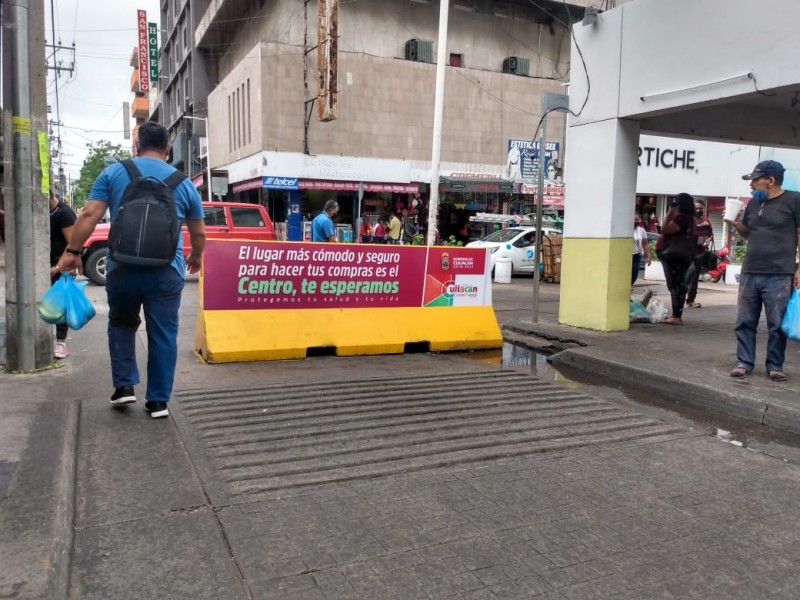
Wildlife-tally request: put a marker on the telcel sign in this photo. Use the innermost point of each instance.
(280, 183)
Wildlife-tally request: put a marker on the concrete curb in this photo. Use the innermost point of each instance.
(598, 354)
(36, 517)
(653, 379)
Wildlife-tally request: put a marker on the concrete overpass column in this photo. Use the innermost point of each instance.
(598, 224)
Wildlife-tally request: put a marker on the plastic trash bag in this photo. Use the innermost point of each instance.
(790, 325)
(638, 313)
(66, 302)
(79, 308)
(657, 311)
(53, 307)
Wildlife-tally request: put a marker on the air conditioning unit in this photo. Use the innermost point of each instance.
(419, 50)
(516, 65)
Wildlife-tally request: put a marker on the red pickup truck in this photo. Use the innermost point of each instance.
(224, 220)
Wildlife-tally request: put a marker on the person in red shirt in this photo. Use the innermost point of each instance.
(365, 231)
(705, 237)
(653, 225)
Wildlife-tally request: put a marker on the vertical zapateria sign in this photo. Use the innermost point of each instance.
(144, 71)
(327, 59)
(152, 45)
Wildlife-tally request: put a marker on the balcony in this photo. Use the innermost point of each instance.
(135, 88)
(140, 109)
(218, 25)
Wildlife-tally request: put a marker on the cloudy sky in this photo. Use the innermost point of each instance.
(105, 34)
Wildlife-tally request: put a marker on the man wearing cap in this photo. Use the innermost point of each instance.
(771, 226)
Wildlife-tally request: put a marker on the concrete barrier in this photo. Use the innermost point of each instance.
(284, 300)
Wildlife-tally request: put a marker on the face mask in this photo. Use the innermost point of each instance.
(759, 195)
(698, 212)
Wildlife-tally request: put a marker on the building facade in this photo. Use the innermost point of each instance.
(182, 89)
(365, 133)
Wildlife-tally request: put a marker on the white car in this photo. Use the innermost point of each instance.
(514, 243)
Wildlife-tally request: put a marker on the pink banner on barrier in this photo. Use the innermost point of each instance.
(241, 275)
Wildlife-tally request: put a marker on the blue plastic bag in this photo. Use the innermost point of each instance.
(53, 307)
(66, 302)
(790, 325)
(79, 308)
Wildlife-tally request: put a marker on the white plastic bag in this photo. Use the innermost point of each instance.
(656, 310)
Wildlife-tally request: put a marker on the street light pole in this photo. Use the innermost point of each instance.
(550, 103)
(438, 114)
(208, 154)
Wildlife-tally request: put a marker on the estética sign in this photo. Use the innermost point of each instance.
(279, 275)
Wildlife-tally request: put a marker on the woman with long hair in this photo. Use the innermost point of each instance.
(677, 250)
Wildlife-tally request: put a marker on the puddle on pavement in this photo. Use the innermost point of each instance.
(738, 432)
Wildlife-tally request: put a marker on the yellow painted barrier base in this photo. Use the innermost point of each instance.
(252, 335)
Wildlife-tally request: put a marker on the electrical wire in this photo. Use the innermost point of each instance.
(586, 72)
(755, 86)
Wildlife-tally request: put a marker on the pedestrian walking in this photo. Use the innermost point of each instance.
(676, 252)
(640, 248)
(62, 221)
(771, 226)
(322, 227)
(408, 228)
(705, 237)
(153, 279)
(393, 233)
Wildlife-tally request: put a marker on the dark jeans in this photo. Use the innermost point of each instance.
(63, 329)
(675, 274)
(693, 277)
(773, 292)
(158, 290)
(637, 264)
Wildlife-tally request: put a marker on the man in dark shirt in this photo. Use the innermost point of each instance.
(771, 226)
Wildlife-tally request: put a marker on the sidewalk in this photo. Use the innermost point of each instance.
(592, 501)
(689, 363)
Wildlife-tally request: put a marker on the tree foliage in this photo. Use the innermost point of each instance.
(101, 154)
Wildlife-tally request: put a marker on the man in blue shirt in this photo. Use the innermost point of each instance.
(131, 287)
(322, 227)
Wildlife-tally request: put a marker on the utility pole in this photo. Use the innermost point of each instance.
(438, 117)
(29, 342)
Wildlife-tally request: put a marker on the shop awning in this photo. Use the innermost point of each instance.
(480, 185)
(352, 186)
(249, 184)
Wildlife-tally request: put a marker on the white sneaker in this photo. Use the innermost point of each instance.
(61, 349)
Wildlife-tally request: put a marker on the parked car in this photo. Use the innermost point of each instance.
(513, 243)
(224, 220)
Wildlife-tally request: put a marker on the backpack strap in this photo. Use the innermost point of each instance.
(131, 168)
(171, 182)
(175, 179)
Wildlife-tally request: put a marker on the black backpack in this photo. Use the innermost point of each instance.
(146, 228)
